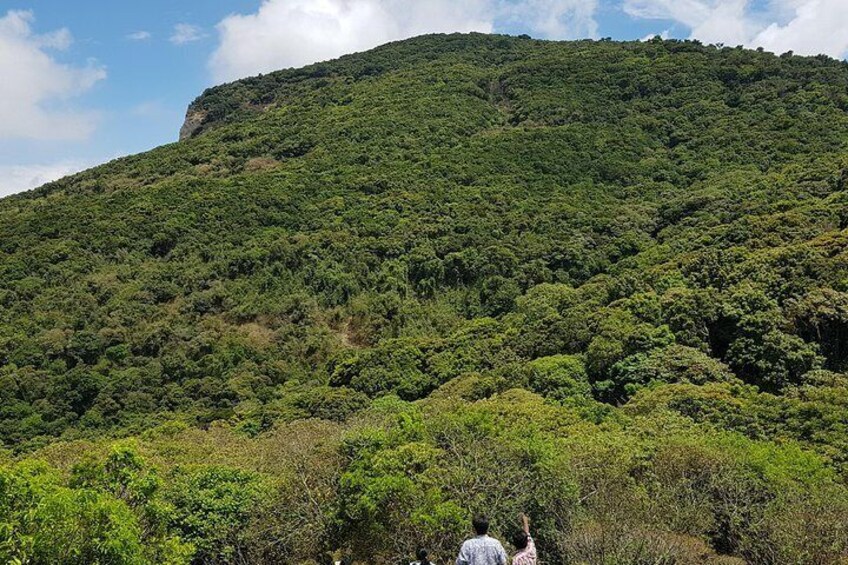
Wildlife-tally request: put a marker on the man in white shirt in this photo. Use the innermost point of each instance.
(481, 549)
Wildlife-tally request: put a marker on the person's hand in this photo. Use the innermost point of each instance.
(525, 523)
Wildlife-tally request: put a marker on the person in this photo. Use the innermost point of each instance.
(481, 549)
(525, 545)
(422, 556)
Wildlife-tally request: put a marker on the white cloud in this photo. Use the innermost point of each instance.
(35, 86)
(139, 35)
(712, 21)
(18, 178)
(290, 33)
(186, 33)
(817, 26)
(807, 27)
(665, 34)
(554, 19)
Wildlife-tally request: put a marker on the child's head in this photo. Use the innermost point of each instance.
(519, 540)
(421, 555)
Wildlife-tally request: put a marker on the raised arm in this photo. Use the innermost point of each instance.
(531, 545)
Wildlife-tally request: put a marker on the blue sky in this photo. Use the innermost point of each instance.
(89, 80)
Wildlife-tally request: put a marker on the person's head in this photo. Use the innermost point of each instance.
(519, 540)
(421, 555)
(481, 524)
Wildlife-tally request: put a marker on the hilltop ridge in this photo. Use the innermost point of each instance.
(239, 98)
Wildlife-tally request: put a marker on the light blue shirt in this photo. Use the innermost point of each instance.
(481, 550)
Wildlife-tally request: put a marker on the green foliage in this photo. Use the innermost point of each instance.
(603, 283)
(676, 363)
(45, 522)
(319, 214)
(211, 508)
(392, 367)
(560, 376)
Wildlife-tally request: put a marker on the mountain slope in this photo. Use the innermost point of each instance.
(650, 236)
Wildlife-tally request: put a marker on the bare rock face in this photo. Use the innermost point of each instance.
(194, 120)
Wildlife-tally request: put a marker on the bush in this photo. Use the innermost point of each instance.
(212, 507)
(676, 363)
(44, 522)
(559, 377)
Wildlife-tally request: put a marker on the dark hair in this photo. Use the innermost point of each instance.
(421, 555)
(519, 540)
(481, 524)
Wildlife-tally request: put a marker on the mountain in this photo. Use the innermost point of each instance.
(602, 283)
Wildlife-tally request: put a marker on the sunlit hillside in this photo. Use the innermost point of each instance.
(602, 283)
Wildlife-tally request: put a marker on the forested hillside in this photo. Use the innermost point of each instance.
(602, 283)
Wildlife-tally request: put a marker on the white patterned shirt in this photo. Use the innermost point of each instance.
(481, 550)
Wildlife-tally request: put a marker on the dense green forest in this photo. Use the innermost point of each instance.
(602, 283)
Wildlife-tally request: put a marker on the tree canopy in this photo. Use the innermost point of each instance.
(602, 283)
